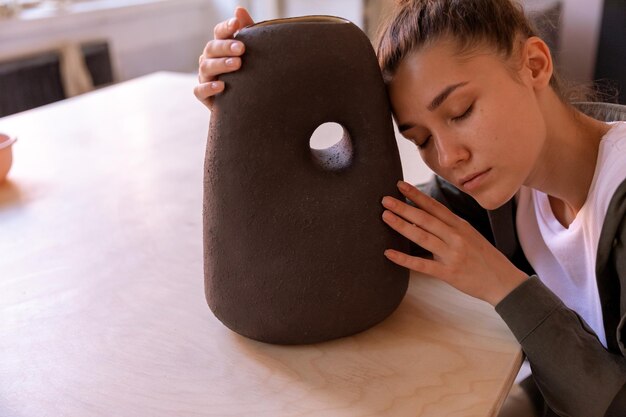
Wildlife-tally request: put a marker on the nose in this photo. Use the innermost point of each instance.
(450, 151)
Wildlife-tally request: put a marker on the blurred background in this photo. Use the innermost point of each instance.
(54, 49)
(123, 39)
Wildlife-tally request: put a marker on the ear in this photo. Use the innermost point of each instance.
(537, 64)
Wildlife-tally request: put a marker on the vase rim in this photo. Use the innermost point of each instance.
(6, 140)
(302, 19)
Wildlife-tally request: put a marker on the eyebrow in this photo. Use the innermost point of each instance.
(441, 97)
(437, 101)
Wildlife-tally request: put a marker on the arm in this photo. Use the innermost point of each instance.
(468, 209)
(461, 256)
(576, 374)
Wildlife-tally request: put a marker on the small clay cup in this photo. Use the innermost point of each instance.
(6, 154)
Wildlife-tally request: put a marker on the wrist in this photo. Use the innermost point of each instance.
(499, 292)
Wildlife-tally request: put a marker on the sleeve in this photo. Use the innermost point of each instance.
(576, 375)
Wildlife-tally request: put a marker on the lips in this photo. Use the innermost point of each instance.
(473, 180)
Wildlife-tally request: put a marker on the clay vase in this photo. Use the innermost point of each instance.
(293, 237)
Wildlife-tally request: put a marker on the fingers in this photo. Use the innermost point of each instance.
(422, 265)
(430, 225)
(223, 48)
(428, 204)
(205, 91)
(220, 56)
(227, 28)
(212, 67)
(243, 17)
(419, 217)
(415, 233)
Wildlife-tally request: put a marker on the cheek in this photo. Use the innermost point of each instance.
(508, 132)
(431, 160)
(521, 138)
(429, 156)
(523, 118)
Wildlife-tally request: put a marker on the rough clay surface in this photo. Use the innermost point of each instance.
(293, 249)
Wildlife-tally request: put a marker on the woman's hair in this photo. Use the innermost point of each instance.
(414, 24)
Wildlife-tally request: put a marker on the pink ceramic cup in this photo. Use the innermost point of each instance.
(6, 154)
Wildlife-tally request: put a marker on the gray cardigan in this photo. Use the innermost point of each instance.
(575, 374)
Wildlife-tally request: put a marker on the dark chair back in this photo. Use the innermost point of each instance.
(34, 81)
(98, 61)
(607, 112)
(30, 82)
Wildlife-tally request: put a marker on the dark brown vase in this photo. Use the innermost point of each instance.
(293, 237)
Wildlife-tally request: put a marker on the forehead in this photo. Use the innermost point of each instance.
(423, 73)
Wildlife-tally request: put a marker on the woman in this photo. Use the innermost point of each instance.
(473, 87)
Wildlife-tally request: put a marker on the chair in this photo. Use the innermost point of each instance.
(33, 81)
(607, 112)
(30, 82)
(98, 61)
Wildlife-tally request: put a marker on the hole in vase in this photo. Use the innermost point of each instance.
(331, 147)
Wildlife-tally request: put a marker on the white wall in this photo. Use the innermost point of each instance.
(170, 34)
(348, 9)
(148, 36)
(272, 9)
(579, 33)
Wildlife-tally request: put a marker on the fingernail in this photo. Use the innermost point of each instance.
(390, 254)
(236, 47)
(388, 202)
(215, 86)
(231, 23)
(230, 62)
(387, 216)
(403, 186)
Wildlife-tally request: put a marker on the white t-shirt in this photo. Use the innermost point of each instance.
(565, 258)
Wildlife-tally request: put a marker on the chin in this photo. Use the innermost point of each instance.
(492, 201)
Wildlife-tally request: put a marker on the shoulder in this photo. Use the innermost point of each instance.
(616, 133)
(610, 172)
(611, 265)
(613, 143)
(614, 227)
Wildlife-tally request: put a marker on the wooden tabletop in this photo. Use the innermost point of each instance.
(102, 308)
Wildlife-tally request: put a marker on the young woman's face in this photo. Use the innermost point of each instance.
(474, 124)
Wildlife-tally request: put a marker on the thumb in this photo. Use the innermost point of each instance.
(243, 17)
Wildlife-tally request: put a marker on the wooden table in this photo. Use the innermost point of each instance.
(102, 308)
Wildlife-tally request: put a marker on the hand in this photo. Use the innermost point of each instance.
(221, 55)
(462, 257)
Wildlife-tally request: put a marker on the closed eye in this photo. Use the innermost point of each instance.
(417, 142)
(423, 143)
(465, 115)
